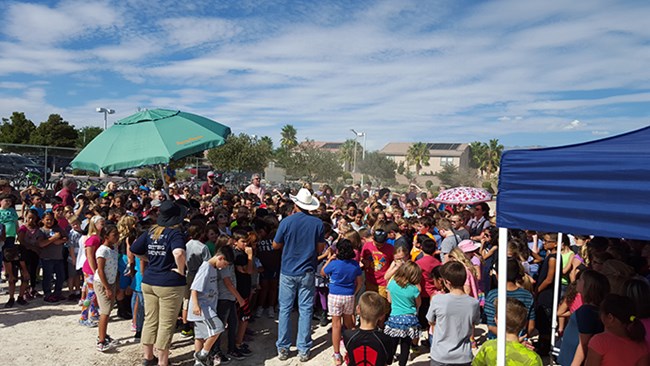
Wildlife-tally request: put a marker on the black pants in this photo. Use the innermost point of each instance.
(227, 313)
(31, 260)
(405, 349)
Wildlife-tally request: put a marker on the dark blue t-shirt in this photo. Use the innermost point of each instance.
(161, 259)
(343, 275)
(299, 233)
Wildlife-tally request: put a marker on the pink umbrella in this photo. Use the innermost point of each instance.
(463, 196)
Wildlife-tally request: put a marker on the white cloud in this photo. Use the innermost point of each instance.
(192, 31)
(575, 124)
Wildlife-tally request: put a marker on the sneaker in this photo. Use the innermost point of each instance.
(303, 357)
(223, 359)
(21, 301)
(259, 312)
(104, 346)
(88, 323)
(10, 303)
(283, 354)
(244, 350)
(152, 362)
(109, 339)
(236, 355)
(187, 333)
(51, 299)
(270, 313)
(137, 337)
(202, 359)
(35, 293)
(338, 359)
(323, 320)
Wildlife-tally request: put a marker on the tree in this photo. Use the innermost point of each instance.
(318, 164)
(54, 132)
(289, 140)
(450, 176)
(241, 153)
(268, 141)
(347, 152)
(418, 155)
(16, 129)
(486, 157)
(378, 166)
(86, 135)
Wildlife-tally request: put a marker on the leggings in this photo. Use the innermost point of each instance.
(31, 260)
(405, 347)
(90, 306)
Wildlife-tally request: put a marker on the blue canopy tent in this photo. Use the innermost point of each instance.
(599, 187)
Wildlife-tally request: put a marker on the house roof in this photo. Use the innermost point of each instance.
(435, 148)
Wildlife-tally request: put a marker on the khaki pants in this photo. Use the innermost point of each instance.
(161, 307)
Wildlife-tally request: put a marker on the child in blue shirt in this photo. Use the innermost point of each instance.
(345, 281)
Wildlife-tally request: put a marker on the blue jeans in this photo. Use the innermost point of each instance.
(53, 267)
(139, 315)
(304, 287)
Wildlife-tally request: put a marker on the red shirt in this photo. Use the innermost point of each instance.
(66, 197)
(427, 263)
(380, 259)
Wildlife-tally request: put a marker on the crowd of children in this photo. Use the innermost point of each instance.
(397, 275)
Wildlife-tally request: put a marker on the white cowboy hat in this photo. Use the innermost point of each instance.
(305, 200)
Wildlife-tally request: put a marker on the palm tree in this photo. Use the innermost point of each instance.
(347, 152)
(418, 155)
(289, 140)
(478, 153)
(493, 153)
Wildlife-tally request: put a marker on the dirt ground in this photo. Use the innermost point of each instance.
(45, 334)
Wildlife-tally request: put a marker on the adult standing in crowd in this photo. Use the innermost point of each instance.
(301, 238)
(67, 192)
(209, 188)
(256, 187)
(480, 221)
(163, 281)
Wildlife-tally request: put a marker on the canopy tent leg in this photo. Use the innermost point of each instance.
(501, 296)
(556, 293)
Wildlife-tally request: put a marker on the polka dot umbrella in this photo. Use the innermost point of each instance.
(463, 196)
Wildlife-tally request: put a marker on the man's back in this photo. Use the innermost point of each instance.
(299, 233)
(368, 347)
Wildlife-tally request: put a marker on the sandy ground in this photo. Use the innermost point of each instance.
(45, 334)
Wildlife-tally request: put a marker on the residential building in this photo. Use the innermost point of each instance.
(440, 154)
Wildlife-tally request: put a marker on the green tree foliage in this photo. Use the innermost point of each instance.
(450, 176)
(347, 152)
(16, 129)
(378, 166)
(54, 132)
(317, 164)
(289, 140)
(268, 141)
(486, 157)
(86, 135)
(418, 156)
(241, 153)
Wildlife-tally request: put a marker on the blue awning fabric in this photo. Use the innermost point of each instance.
(599, 187)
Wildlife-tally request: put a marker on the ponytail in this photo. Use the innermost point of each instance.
(623, 309)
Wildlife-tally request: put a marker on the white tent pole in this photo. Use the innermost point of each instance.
(556, 288)
(501, 295)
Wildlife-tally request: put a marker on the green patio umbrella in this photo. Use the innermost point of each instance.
(150, 137)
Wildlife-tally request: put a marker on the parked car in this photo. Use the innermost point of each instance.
(201, 171)
(132, 172)
(12, 164)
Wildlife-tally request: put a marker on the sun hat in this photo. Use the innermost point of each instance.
(468, 245)
(305, 200)
(171, 214)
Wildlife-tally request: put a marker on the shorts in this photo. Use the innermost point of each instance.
(105, 303)
(186, 297)
(340, 305)
(244, 312)
(72, 270)
(207, 328)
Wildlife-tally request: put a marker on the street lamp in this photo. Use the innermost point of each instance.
(106, 112)
(363, 152)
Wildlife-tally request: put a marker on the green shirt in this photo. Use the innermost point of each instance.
(9, 218)
(516, 355)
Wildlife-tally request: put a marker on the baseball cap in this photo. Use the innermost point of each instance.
(210, 173)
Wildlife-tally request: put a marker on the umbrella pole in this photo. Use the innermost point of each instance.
(162, 176)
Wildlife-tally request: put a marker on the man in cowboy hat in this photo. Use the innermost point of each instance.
(301, 238)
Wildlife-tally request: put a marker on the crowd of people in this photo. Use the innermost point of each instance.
(395, 273)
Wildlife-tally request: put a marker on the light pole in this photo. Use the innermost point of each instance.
(363, 152)
(106, 112)
(356, 142)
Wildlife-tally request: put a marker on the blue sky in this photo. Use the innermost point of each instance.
(528, 73)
